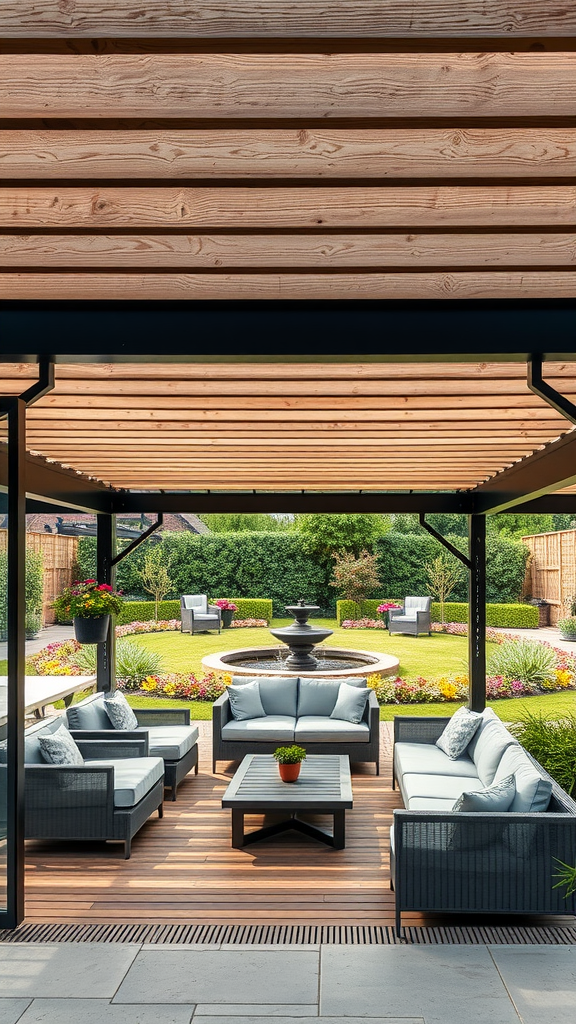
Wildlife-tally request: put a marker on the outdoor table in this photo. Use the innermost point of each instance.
(323, 787)
(42, 690)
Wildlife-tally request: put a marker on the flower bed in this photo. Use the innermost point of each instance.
(181, 686)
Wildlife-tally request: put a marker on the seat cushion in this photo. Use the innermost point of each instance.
(487, 747)
(245, 702)
(533, 791)
(412, 617)
(171, 742)
(459, 731)
(271, 729)
(428, 759)
(319, 696)
(277, 693)
(133, 777)
(319, 729)
(430, 803)
(89, 715)
(437, 787)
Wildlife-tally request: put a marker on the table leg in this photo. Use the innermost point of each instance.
(237, 829)
(339, 830)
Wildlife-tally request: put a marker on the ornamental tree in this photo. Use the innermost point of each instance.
(355, 577)
(155, 575)
(443, 576)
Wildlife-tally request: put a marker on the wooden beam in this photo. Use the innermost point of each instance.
(181, 414)
(283, 153)
(267, 18)
(239, 251)
(208, 400)
(545, 471)
(225, 286)
(279, 85)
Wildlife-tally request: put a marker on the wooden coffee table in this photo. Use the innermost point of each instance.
(323, 787)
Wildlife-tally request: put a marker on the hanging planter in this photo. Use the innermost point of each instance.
(91, 631)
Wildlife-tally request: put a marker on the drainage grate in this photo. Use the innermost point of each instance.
(282, 935)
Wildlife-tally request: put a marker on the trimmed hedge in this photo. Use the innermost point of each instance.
(143, 611)
(509, 616)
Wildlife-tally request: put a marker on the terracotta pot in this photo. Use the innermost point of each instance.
(289, 772)
(91, 631)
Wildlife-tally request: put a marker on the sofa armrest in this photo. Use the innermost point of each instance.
(221, 713)
(110, 736)
(372, 711)
(162, 716)
(395, 611)
(214, 609)
(418, 729)
(85, 791)
(112, 749)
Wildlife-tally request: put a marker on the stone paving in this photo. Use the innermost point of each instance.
(98, 983)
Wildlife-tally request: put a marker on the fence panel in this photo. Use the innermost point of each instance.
(59, 555)
(551, 572)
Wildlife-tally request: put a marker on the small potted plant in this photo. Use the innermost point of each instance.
(567, 628)
(227, 608)
(289, 762)
(90, 604)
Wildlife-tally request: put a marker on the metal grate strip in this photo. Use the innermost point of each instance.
(281, 935)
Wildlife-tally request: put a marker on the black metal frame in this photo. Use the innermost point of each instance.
(106, 573)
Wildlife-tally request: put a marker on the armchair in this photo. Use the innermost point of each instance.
(197, 615)
(413, 618)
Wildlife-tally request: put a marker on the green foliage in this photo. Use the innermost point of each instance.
(34, 591)
(567, 628)
(133, 662)
(566, 876)
(508, 616)
(289, 755)
(563, 521)
(553, 744)
(243, 522)
(443, 577)
(526, 660)
(88, 600)
(358, 609)
(253, 608)
(520, 524)
(324, 533)
(144, 611)
(355, 578)
(155, 574)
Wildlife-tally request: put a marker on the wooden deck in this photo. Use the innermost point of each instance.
(183, 868)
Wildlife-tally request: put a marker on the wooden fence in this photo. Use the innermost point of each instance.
(59, 557)
(551, 571)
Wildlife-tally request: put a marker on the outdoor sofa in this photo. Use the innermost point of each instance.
(168, 734)
(296, 711)
(110, 796)
(413, 618)
(447, 861)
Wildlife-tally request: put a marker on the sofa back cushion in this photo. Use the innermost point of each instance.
(245, 701)
(318, 696)
(198, 602)
(88, 714)
(278, 694)
(533, 791)
(488, 745)
(417, 604)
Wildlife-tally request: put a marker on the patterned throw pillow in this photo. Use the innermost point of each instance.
(60, 748)
(119, 711)
(459, 732)
(495, 798)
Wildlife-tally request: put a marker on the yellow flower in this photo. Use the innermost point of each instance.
(563, 677)
(150, 684)
(227, 678)
(448, 690)
(170, 689)
(374, 680)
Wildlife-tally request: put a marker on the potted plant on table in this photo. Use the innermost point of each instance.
(90, 604)
(227, 608)
(289, 762)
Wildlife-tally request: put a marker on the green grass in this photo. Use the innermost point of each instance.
(3, 667)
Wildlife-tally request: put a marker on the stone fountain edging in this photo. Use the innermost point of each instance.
(384, 664)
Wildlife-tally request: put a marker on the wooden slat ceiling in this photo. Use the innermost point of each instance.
(291, 426)
(262, 149)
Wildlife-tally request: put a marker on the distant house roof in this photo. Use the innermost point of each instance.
(128, 526)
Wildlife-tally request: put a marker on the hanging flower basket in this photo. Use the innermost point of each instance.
(90, 604)
(91, 631)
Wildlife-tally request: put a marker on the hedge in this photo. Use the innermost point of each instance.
(510, 616)
(143, 611)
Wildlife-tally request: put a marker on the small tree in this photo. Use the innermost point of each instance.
(355, 578)
(155, 575)
(443, 576)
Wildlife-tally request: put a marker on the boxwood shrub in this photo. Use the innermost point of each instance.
(509, 616)
(143, 611)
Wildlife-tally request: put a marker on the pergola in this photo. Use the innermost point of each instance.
(283, 257)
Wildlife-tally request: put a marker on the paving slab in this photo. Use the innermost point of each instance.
(12, 1009)
(85, 970)
(223, 976)
(100, 1011)
(442, 984)
(541, 981)
(255, 1010)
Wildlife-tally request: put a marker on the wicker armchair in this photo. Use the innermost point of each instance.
(197, 615)
(413, 618)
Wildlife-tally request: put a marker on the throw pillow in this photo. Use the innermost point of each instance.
(119, 711)
(458, 733)
(245, 701)
(495, 798)
(60, 748)
(350, 704)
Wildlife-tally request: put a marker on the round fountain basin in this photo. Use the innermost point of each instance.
(334, 662)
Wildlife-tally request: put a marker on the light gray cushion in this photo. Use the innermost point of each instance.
(430, 803)
(278, 693)
(271, 729)
(444, 787)
(495, 798)
(133, 777)
(198, 602)
(405, 618)
(170, 741)
(119, 711)
(319, 696)
(532, 790)
(350, 704)
(428, 759)
(458, 732)
(60, 748)
(319, 729)
(32, 751)
(486, 751)
(90, 715)
(245, 702)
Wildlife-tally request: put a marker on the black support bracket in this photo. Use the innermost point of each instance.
(139, 540)
(540, 387)
(445, 543)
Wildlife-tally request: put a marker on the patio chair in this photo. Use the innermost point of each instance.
(197, 616)
(412, 618)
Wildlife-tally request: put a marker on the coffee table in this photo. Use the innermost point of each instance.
(323, 787)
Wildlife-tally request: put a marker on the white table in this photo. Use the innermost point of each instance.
(42, 690)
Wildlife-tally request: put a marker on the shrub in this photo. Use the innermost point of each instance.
(368, 609)
(143, 611)
(34, 591)
(524, 660)
(567, 627)
(253, 608)
(133, 662)
(508, 616)
(553, 744)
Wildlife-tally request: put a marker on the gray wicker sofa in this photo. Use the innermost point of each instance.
(297, 711)
(110, 796)
(170, 735)
(447, 861)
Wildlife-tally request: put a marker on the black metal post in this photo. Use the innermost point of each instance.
(105, 573)
(15, 408)
(477, 612)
